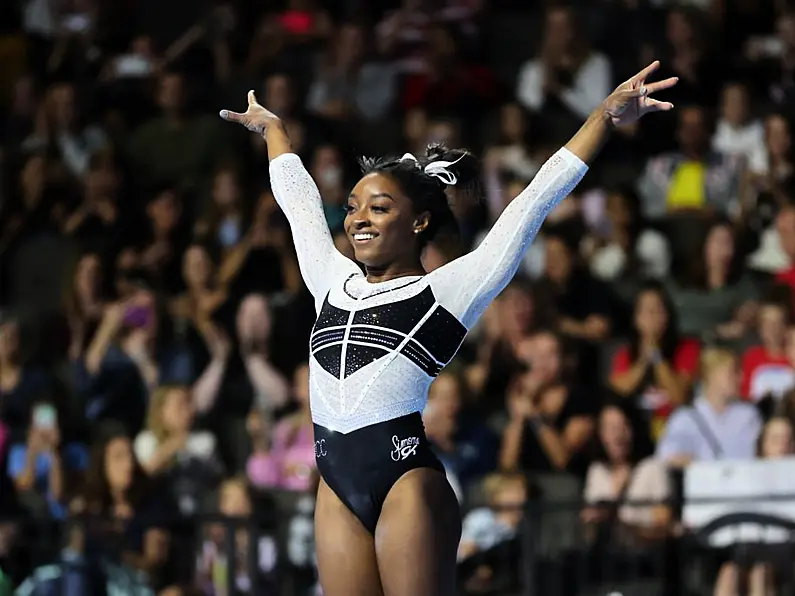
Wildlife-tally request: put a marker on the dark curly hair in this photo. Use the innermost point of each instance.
(427, 192)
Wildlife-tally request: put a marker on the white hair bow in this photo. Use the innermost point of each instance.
(437, 169)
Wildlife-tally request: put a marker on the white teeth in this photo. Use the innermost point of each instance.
(363, 236)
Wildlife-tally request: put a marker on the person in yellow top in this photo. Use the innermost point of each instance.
(694, 178)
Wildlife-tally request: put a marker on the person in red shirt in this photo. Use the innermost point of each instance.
(657, 367)
(449, 84)
(767, 371)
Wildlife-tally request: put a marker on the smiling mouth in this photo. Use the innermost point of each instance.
(362, 238)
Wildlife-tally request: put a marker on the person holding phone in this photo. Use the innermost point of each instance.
(40, 466)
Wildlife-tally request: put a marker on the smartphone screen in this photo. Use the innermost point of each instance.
(137, 316)
(45, 416)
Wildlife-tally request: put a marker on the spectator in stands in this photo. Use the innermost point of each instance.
(22, 108)
(20, 383)
(717, 426)
(131, 524)
(170, 447)
(582, 302)
(776, 165)
(254, 329)
(278, 93)
(776, 60)
(98, 221)
(327, 170)
(486, 527)
(59, 124)
(463, 444)
(213, 568)
(450, 84)
(759, 577)
(520, 310)
(628, 248)
(511, 152)
(777, 439)
(568, 79)
(245, 377)
(43, 467)
(27, 211)
(714, 296)
(620, 475)
(550, 423)
(693, 178)
(161, 246)
(267, 260)
(403, 34)
(286, 458)
(657, 368)
(767, 372)
(119, 368)
(348, 86)
(224, 222)
(193, 309)
(176, 148)
(84, 303)
(690, 57)
(737, 131)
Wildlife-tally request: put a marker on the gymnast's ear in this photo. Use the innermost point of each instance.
(422, 222)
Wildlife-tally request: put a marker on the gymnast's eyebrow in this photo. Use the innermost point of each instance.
(375, 196)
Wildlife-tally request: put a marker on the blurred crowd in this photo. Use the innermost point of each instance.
(154, 325)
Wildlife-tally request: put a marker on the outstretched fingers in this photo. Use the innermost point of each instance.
(646, 72)
(652, 105)
(660, 85)
(230, 116)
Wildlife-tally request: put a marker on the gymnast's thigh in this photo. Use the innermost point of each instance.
(417, 535)
(345, 550)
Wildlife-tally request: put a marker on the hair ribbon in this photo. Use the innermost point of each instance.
(437, 169)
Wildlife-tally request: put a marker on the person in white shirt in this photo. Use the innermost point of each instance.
(168, 436)
(566, 68)
(737, 133)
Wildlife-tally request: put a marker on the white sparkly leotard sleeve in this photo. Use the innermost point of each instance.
(468, 284)
(298, 196)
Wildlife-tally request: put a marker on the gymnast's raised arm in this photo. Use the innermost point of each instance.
(298, 196)
(467, 285)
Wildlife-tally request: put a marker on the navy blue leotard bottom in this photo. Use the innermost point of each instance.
(362, 466)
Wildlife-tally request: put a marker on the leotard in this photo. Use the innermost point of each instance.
(376, 347)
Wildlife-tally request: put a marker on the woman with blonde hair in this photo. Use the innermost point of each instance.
(717, 425)
(169, 437)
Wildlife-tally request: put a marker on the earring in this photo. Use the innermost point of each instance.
(417, 231)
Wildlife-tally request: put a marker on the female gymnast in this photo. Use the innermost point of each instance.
(386, 521)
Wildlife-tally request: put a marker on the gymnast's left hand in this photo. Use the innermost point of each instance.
(256, 118)
(630, 101)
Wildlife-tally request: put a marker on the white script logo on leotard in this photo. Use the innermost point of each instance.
(320, 448)
(404, 447)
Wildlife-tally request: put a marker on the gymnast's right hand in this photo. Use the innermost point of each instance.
(256, 118)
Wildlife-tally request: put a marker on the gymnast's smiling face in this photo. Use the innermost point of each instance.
(383, 225)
